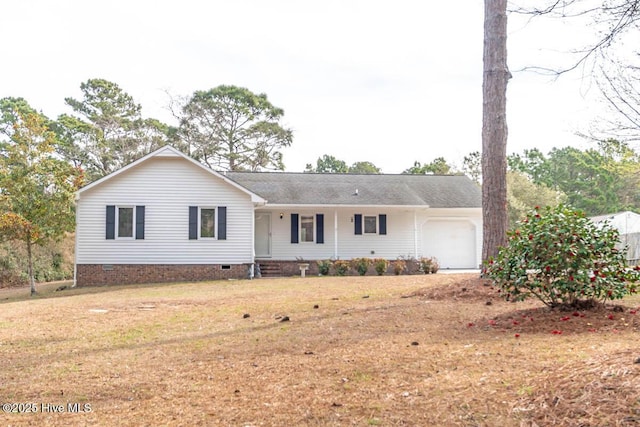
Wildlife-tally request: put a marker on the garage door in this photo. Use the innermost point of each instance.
(452, 242)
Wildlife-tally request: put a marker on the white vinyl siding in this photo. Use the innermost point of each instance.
(399, 239)
(166, 186)
(403, 239)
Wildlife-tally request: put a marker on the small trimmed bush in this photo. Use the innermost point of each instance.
(324, 267)
(399, 266)
(435, 265)
(562, 258)
(361, 265)
(381, 265)
(341, 267)
(429, 265)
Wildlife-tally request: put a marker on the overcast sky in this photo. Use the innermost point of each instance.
(384, 81)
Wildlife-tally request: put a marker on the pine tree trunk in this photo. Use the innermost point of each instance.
(30, 268)
(494, 128)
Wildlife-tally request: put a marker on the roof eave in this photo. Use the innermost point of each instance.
(319, 205)
(169, 151)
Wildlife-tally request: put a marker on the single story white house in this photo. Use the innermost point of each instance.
(167, 217)
(628, 225)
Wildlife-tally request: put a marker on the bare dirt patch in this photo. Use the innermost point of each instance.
(408, 350)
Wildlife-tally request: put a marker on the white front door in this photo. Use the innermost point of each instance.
(263, 235)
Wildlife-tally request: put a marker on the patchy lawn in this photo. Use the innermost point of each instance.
(407, 350)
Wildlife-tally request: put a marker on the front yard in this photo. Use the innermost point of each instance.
(397, 350)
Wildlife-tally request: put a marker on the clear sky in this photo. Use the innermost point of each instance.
(384, 81)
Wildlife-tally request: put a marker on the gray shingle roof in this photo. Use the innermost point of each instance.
(435, 191)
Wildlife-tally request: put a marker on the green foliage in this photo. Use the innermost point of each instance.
(365, 168)
(12, 111)
(53, 260)
(598, 181)
(523, 194)
(107, 130)
(329, 164)
(429, 265)
(231, 128)
(399, 266)
(361, 265)
(472, 166)
(324, 266)
(341, 267)
(381, 265)
(559, 256)
(438, 166)
(585, 179)
(435, 265)
(37, 187)
(533, 163)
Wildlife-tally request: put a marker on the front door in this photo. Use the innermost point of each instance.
(263, 235)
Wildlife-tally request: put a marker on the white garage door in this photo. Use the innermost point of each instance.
(452, 242)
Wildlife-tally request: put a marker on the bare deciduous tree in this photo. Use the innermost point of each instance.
(605, 58)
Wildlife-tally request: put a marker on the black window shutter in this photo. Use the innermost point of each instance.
(294, 228)
(222, 223)
(193, 222)
(139, 222)
(382, 221)
(357, 218)
(111, 222)
(319, 228)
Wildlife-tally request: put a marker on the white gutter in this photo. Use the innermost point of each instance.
(314, 205)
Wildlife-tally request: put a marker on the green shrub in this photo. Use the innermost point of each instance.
(428, 265)
(399, 266)
(435, 265)
(341, 267)
(381, 265)
(562, 258)
(361, 265)
(51, 261)
(324, 267)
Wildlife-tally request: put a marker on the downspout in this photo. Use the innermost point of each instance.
(75, 255)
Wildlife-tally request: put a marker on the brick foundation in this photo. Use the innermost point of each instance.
(120, 274)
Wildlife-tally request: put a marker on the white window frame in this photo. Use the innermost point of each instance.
(215, 222)
(133, 222)
(364, 224)
(313, 228)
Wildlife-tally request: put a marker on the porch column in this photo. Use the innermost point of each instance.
(415, 233)
(335, 234)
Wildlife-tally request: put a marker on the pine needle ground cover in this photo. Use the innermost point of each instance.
(439, 349)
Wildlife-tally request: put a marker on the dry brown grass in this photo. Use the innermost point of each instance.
(409, 350)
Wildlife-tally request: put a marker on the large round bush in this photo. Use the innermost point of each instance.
(562, 258)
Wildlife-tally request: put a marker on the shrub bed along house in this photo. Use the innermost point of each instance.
(380, 266)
